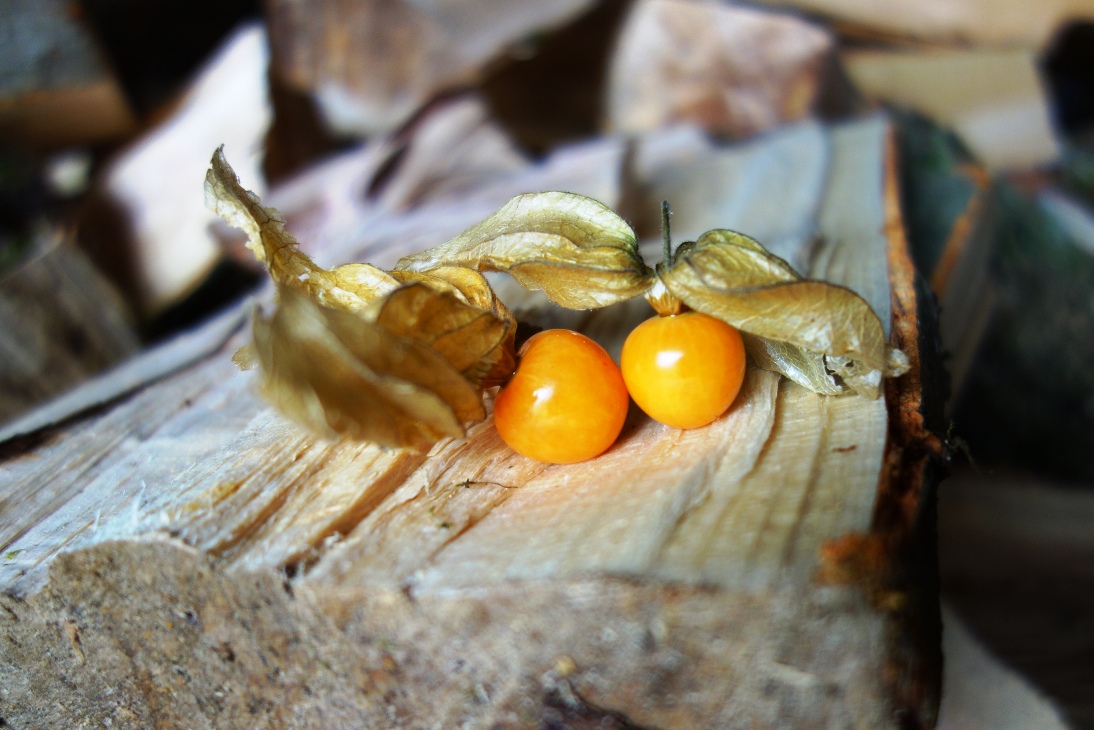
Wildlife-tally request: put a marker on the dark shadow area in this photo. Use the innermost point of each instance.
(1069, 71)
(554, 93)
(155, 47)
(1018, 566)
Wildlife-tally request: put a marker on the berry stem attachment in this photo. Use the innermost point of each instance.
(662, 301)
(666, 233)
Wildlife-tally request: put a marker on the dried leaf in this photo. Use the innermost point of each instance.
(340, 374)
(472, 339)
(493, 367)
(399, 360)
(867, 382)
(580, 253)
(803, 367)
(470, 284)
(859, 379)
(739, 258)
(246, 358)
(350, 288)
(730, 276)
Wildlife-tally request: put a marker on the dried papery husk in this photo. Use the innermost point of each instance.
(470, 284)
(475, 341)
(493, 367)
(399, 360)
(820, 334)
(577, 250)
(339, 374)
(800, 365)
(351, 287)
(662, 301)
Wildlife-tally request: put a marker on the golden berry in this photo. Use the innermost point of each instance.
(684, 370)
(565, 403)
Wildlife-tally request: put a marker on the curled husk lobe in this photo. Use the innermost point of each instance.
(396, 358)
(819, 334)
(577, 250)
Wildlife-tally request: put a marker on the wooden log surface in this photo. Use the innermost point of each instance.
(56, 88)
(746, 70)
(999, 23)
(186, 558)
(60, 323)
(404, 53)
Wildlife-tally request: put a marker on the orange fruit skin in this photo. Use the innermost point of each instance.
(565, 403)
(684, 370)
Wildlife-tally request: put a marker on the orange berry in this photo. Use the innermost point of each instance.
(684, 370)
(565, 403)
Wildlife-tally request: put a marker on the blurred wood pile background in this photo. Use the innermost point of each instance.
(383, 127)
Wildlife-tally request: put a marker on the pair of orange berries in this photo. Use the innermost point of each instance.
(567, 400)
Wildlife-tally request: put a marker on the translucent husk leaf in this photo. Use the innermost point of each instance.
(467, 283)
(815, 329)
(245, 357)
(339, 374)
(803, 367)
(494, 366)
(350, 288)
(580, 253)
(473, 340)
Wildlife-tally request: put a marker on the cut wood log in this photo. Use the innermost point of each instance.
(146, 224)
(187, 558)
(372, 65)
(1027, 399)
(731, 70)
(1017, 556)
(950, 215)
(60, 323)
(982, 693)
